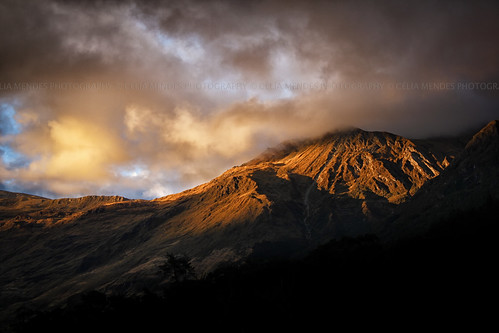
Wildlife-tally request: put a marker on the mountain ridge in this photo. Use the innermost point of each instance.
(20, 208)
(468, 183)
(341, 184)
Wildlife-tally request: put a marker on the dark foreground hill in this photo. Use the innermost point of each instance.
(443, 279)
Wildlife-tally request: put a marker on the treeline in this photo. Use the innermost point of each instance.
(445, 277)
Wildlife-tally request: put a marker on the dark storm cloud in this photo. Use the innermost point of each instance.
(33, 45)
(415, 68)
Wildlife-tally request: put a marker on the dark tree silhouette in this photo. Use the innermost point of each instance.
(178, 268)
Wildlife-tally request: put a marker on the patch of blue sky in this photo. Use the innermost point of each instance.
(188, 49)
(11, 158)
(8, 123)
(10, 127)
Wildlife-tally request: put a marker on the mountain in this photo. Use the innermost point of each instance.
(469, 183)
(285, 202)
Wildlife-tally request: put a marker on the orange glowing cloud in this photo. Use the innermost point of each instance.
(79, 150)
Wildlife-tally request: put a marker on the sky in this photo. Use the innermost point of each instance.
(148, 98)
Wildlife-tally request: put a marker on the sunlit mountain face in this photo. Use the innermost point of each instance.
(147, 98)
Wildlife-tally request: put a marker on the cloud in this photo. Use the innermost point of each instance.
(152, 97)
(79, 150)
(157, 191)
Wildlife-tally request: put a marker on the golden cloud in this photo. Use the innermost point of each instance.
(79, 150)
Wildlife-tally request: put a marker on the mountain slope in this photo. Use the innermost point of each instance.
(287, 200)
(341, 184)
(469, 183)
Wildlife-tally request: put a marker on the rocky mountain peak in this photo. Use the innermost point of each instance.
(358, 163)
(487, 134)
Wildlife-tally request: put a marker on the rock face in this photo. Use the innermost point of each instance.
(284, 202)
(363, 164)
